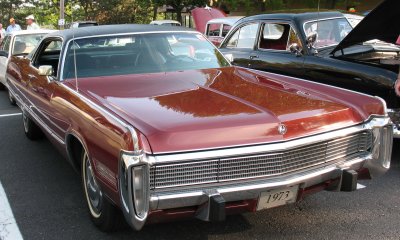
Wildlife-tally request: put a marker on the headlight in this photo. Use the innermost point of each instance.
(134, 187)
(382, 151)
(140, 186)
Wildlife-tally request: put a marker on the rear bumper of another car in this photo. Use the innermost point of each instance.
(142, 200)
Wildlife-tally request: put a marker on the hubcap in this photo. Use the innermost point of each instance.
(93, 192)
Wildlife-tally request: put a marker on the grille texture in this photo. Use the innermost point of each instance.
(261, 165)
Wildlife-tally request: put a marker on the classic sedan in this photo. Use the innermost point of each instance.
(18, 43)
(161, 133)
(323, 47)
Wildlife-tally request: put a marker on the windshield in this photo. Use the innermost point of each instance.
(330, 31)
(24, 44)
(141, 53)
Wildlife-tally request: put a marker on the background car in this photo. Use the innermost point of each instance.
(218, 28)
(19, 43)
(83, 24)
(323, 47)
(162, 135)
(165, 22)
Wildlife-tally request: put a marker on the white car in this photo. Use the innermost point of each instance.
(166, 23)
(19, 43)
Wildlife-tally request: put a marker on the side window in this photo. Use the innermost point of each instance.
(49, 54)
(275, 36)
(213, 30)
(5, 44)
(244, 37)
(225, 29)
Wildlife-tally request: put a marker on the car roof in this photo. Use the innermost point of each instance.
(105, 30)
(27, 32)
(225, 20)
(302, 17)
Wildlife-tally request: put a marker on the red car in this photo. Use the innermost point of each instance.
(161, 132)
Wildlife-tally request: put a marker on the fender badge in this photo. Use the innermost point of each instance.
(282, 129)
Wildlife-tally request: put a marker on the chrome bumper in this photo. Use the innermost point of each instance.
(134, 174)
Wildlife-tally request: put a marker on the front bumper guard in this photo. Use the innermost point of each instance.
(377, 163)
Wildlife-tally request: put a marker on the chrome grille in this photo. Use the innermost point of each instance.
(261, 165)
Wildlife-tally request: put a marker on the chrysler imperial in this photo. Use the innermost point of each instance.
(163, 127)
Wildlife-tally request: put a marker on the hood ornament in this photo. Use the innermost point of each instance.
(282, 129)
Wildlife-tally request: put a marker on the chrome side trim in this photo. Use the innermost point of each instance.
(37, 119)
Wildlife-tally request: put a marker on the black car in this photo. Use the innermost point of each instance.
(323, 47)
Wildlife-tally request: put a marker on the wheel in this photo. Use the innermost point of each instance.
(103, 214)
(32, 131)
(11, 99)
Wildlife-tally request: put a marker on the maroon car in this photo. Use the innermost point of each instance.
(161, 126)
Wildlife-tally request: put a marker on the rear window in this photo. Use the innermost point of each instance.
(140, 53)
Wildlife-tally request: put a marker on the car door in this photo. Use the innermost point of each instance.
(273, 50)
(240, 44)
(5, 46)
(40, 88)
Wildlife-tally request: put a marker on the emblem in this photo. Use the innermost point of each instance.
(282, 129)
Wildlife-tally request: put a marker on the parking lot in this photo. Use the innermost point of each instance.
(46, 199)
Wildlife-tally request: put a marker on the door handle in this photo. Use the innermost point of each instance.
(253, 56)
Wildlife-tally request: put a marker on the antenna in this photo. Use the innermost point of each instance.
(73, 46)
(318, 18)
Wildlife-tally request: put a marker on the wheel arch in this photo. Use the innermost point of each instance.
(74, 148)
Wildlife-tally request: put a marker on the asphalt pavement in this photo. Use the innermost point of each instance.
(46, 198)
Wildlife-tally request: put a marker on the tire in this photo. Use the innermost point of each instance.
(2, 87)
(32, 131)
(102, 213)
(11, 99)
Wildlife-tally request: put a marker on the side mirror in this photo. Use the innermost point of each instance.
(46, 70)
(296, 49)
(3, 54)
(229, 57)
(311, 39)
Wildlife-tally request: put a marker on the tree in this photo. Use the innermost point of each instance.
(179, 5)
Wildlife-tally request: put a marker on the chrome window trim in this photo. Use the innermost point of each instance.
(161, 158)
(66, 45)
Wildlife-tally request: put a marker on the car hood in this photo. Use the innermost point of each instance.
(202, 15)
(382, 23)
(215, 108)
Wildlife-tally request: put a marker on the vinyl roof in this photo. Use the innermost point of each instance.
(114, 29)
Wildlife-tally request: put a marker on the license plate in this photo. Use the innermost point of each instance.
(277, 197)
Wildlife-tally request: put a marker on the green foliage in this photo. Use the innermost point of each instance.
(143, 11)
